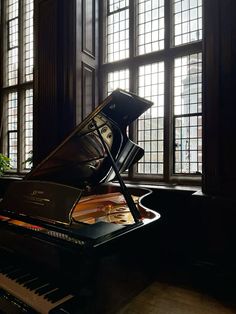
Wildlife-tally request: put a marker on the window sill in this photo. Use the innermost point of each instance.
(165, 186)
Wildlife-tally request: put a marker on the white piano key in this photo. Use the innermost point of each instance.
(38, 302)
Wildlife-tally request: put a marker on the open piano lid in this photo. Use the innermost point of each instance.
(82, 159)
(95, 152)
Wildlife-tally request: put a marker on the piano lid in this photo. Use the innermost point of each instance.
(81, 159)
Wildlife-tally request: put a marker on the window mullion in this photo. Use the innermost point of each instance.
(168, 119)
(168, 130)
(132, 69)
(132, 35)
(20, 91)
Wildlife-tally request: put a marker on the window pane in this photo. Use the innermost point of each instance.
(187, 21)
(150, 26)
(117, 36)
(187, 114)
(13, 33)
(188, 84)
(150, 125)
(118, 79)
(12, 128)
(28, 40)
(17, 53)
(28, 126)
(114, 5)
(12, 11)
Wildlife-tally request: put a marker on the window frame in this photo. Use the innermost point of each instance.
(168, 55)
(20, 88)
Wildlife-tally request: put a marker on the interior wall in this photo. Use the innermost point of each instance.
(66, 60)
(219, 127)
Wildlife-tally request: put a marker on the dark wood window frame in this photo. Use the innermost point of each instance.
(167, 55)
(20, 88)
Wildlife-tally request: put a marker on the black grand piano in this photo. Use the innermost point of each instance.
(71, 240)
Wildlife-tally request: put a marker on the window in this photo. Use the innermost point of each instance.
(153, 48)
(17, 82)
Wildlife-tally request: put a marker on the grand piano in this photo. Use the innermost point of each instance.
(73, 237)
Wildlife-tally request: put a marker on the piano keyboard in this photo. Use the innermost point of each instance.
(37, 293)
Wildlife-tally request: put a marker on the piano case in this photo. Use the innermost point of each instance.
(71, 240)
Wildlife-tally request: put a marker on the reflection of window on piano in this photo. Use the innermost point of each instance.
(148, 49)
(17, 90)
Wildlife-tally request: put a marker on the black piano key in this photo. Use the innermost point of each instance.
(11, 271)
(56, 295)
(7, 268)
(36, 283)
(45, 289)
(22, 278)
(26, 284)
(18, 274)
(25, 279)
(15, 274)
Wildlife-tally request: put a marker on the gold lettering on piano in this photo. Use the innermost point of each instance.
(36, 198)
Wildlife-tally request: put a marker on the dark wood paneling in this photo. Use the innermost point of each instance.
(228, 98)
(88, 89)
(55, 75)
(45, 92)
(88, 33)
(219, 153)
(65, 64)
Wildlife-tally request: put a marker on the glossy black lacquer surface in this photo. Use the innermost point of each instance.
(82, 159)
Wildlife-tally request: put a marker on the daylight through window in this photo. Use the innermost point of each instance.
(17, 88)
(153, 48)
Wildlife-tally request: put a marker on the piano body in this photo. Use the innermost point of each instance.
(69, 237)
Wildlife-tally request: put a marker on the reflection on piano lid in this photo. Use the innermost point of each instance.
(82, 159)
(64, 188)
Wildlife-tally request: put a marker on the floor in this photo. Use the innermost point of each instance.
(165, 298)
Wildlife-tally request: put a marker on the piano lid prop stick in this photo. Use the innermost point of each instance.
(135, 212)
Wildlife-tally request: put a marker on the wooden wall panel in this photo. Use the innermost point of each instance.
(88, 89)
(219, 153)
(45, 91)
(88, 24)
(65, 69)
